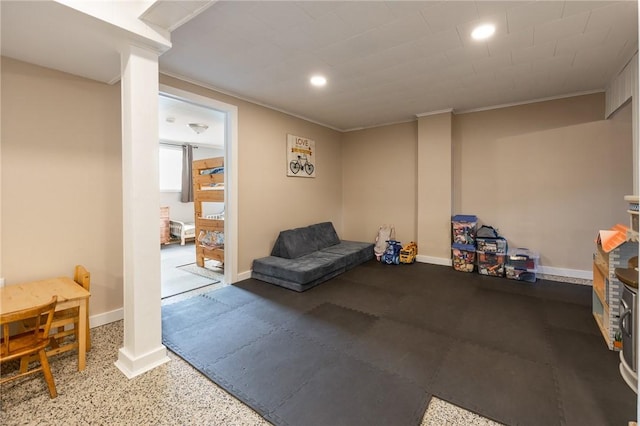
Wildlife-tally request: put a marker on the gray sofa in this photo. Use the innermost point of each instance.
(305, 257)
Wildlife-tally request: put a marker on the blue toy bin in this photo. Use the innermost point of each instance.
(463, 229)
(463, 257)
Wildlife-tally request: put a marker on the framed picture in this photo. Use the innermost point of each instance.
(301, 156)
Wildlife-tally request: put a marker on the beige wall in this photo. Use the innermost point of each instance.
(549, 175)
(61, 179)
(379, 169)
(269, 201)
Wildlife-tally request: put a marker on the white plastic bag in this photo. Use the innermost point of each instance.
(385, 233)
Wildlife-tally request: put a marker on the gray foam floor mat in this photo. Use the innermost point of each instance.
(372, 345)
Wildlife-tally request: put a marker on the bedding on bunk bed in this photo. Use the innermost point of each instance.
(212, 239)
(213, 171)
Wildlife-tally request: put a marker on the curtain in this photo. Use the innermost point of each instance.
(187, 166)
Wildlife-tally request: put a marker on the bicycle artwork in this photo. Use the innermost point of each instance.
(300, 156)
(301, 163)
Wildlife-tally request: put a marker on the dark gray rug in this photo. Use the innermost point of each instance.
(371, 346)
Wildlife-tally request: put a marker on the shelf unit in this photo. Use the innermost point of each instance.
(607, 289)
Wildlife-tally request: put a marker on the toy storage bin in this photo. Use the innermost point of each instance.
(522, 264)
(491, 245)
(463, 257)
(463, 229)
(633, 210)
(490, 263)
(514, 273)
(523, 258)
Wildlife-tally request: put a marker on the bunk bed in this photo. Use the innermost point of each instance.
(208, 187)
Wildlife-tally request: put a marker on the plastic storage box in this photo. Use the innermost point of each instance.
(491, 245)
(463, 257)
(491, 263)
(463, 229)
(522, 264)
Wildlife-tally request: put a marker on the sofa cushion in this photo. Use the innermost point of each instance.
(294, 243)
(325, 234)
(354, 252)
(293, 285)
(301, 270)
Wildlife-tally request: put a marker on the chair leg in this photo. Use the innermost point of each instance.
(55, 343)
(48, 377)
(24, 364)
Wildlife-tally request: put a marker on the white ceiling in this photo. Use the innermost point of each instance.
(386, 61)
(175, 116)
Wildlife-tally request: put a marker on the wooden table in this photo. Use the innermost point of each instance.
(70, 294)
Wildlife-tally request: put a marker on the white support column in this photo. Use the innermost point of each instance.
(143, 349)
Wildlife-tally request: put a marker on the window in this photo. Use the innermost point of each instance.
(170, 168)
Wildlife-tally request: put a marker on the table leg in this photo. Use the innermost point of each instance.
(82, 335)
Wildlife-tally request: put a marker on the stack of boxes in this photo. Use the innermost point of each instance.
(491, 254)
(490, 251)
(463, 249)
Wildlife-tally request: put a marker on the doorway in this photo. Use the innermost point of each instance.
(208, 128)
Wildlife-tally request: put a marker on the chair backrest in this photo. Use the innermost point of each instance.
(41, 316)
(82, 277)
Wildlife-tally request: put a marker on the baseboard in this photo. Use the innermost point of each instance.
(547, 270)
(244, 275)
(565, 272)
(132, 366)
(444, 261)
(106, 318)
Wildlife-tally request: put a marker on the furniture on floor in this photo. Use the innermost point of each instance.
(208, 187)
(70, 317)
(614, 248)
(165, 235)
(305, 257)
(33, 341)
(27, 295)
(182, 230)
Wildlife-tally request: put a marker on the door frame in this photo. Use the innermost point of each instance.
(230, 173)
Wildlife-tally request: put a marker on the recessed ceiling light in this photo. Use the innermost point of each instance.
(318, 80)
(483, 32)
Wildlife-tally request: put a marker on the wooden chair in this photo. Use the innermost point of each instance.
(66, 317)
(29, 343)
